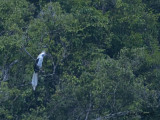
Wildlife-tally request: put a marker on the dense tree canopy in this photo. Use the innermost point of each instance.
(103, 59)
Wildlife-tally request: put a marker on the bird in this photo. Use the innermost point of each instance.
(37, 67)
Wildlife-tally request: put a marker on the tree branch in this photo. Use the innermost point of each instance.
(14, 62)
(88, 111)
(28, 53)
(120, 114)
(6, 69)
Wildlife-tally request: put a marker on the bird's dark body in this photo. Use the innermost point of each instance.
(36, 68)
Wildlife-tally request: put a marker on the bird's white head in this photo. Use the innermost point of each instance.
(43, 53)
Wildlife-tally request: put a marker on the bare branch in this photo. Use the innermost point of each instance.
(28, 53)
(6, 69)
(120, 114)
(54, 68)
(88, 111)
(14, 62)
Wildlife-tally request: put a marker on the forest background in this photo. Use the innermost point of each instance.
(103, 59)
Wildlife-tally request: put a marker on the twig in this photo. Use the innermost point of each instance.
(120, 114)
(29, 54)
(54, 68)
(6, 70)
(88, 111)
(14, 62)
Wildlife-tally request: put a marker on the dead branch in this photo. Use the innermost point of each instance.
(28, 53)
(5, 71)
(121, 114)
(88, 111)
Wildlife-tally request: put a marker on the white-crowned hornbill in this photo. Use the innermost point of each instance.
(37, 67)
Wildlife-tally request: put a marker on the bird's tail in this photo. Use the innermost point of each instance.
(34, 80)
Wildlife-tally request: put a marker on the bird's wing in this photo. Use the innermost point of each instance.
(36, 67)
(37, 60)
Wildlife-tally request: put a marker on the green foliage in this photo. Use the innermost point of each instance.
(133, 26)
(102, 59)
